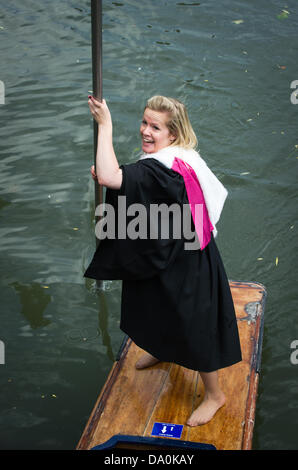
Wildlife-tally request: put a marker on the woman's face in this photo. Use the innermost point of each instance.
(154, 131)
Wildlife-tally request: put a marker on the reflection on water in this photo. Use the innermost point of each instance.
(103, 318)
(232, 63)
(34, 300)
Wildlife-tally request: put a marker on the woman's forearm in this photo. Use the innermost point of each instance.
(107, 168)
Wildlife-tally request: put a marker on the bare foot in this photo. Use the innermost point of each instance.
(146, 361)
(206, 410)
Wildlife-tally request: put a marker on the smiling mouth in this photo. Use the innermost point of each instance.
(147, 141)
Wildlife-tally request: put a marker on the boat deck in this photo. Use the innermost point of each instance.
(133, 400)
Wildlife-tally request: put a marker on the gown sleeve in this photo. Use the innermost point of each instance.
(119, 257)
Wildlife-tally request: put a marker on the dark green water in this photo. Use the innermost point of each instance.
(60, 336)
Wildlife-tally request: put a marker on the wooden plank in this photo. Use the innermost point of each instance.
(126, 406)
(175, 400)
(133, 400)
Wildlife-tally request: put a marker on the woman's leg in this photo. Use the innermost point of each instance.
(146, 361)
(214, 399)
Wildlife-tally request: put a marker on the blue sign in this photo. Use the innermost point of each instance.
(167, 430)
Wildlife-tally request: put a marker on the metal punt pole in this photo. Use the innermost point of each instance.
(96, 35)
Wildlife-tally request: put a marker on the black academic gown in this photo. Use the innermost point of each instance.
(176, 303)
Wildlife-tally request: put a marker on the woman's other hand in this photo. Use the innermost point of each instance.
(93, 174)
(100, 112)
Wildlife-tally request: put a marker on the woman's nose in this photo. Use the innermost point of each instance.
(145, 129)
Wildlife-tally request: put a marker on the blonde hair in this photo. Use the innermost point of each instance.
(179, 124)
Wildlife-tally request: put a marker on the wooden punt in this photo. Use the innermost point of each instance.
(131, 400)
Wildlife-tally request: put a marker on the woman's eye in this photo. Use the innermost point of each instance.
(154, 127)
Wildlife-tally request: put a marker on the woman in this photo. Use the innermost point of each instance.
(176, 300)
